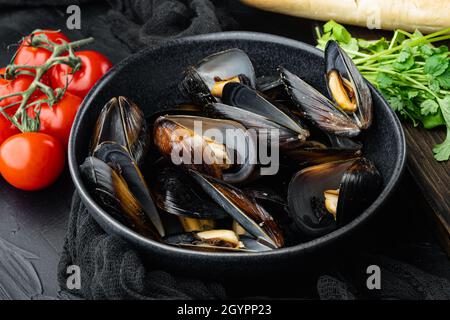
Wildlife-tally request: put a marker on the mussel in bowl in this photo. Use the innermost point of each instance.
(217, 240)
(221, 148)
(246, 211)
(204, 82)
(350, 109)
(118, 143)
(121, 121)
(111, 191)
(323, 197)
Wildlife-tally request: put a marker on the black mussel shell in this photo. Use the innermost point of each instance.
(111, 191)
(191, 241)
(211, 240)
(177, 193)
(244, 97)
(200, 79)
(251, 216)
(337, 60)
(267, 84)
(273, 88)
(187, 109)
(359, 184)
(217, 147)
(119, 159)
(267, 131)
(317, 108)
(265, 194)
(253, 245)
(122, 121)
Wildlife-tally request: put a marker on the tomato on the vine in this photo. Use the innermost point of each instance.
(93, 66)
(34, 56)
(7, 129)
(20, 83)
(58, 119)
(31, 160)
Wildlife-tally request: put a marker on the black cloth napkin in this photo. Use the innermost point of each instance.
(110, 267)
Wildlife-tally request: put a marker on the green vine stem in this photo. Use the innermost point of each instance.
(21, 119)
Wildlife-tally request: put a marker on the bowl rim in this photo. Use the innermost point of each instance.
(98, 213)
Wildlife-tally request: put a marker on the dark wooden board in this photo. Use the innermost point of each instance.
(432, 177)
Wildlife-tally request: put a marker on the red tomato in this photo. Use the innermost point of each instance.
(21, 83)
(7, 129)
(31, 160)
(32, 56)
(57, 120)
(94, 66)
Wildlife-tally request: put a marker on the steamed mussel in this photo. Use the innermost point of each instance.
(111, 190)
(350, 109)
(247, 212)
(119, 142)
(204, 82)
(218, 240)
(329, 195)
(203, 189)
(221, 148)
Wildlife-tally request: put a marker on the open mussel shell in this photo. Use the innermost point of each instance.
(112, 192)
(220, 148)
(251, 216)
(244, 97)
(122, 121)
(119, 159)
(347, 86)
(204, 81)
(216, 241)
(177, 193)
(356, 182)
(317, 108)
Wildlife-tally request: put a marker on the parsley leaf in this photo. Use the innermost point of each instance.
(405, 60)
(442, 151)
(426, 49)
(436, 64)
(444, 79)
(373, 45)
(338, 31)
(384, 81)
(429, 106)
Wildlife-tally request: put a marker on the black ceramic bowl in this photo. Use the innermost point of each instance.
(151, 77)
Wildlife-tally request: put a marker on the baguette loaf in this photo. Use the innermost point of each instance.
(426, 15)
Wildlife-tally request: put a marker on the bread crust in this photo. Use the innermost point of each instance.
(425, 15)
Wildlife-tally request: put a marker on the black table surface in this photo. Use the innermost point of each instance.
(36, 221)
